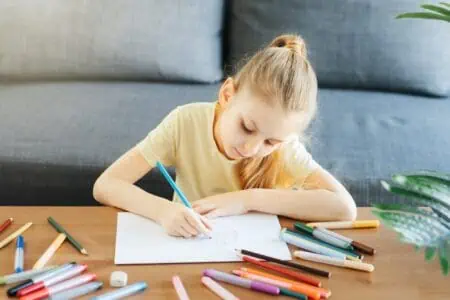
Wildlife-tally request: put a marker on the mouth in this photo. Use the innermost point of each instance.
(240, 155)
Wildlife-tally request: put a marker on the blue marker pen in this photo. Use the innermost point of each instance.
(18, 260)
(121, 293)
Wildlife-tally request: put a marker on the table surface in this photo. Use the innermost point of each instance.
(400, 272)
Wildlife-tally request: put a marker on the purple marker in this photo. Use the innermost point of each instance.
(243, 282)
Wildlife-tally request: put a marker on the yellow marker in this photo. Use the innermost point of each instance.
(347, 224)
(50, 251)
(15, 234)
(334, 261)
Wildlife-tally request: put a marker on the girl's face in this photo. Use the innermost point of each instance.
(250, 127)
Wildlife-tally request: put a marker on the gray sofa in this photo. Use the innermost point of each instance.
(82, 82)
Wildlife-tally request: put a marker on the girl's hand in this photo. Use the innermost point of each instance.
(179, 220)
(221, 205)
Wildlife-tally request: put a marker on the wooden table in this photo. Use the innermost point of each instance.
(400, 272)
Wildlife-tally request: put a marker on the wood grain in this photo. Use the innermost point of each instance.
(400, 272)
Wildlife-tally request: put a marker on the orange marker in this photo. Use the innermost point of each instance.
(303, 288)
(6, 224)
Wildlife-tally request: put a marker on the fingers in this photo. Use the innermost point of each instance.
(206, 222)
(215, 214)
(203, 208)
(184, 233)
(195, 220)
(189, 229)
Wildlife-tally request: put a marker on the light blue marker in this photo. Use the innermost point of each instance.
(173, 185)
(121, 293)
(78, 291)
(304, 243)
(18, 260)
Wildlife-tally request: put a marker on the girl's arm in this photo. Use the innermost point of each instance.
(115, 187)
(322, 199)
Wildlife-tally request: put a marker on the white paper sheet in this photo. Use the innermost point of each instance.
(142, 241)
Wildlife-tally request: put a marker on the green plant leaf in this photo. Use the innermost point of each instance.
(427, 186)
(430, 252)
(423, 15)
(415, 228)
(443, 257)
(445, 178)
(419, 198)
(435, 8)
(445, 4)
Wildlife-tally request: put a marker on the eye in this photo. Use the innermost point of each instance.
(245, 128)
(268, 143)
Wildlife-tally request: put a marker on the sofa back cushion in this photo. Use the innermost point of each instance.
(352, 43)
(111, 39)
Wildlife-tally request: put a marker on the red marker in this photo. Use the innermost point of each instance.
(6, 224)
(77, 269)
(63, 286)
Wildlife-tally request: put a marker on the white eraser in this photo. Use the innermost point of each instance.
(118, 279)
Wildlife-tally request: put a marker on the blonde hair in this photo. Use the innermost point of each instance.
(281, 71)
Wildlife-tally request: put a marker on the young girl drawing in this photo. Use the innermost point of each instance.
(242, 153)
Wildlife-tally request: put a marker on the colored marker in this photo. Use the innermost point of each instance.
(54, 246)
(320, 235)
(346, 224)
(25, 275)
(72, 272)
(357, 245)
(182, 197)
(242, 282)
(15, 234)
(356, 265)
(18, 259)
(280, 284)
(58, 288)
(310, 245)
(311, 291)
(174, 186)
(285, 271)
(6, 224)
(78, 291)
(287, 263)
(179, 288)
(70, 238)
(218, 289)
(126, 291)
(38, 278)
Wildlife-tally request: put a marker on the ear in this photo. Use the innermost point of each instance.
(226, 92)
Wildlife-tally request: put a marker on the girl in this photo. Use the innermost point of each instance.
(240, 154)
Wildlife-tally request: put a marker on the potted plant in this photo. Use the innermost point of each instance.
(436, 12)
(425, 220)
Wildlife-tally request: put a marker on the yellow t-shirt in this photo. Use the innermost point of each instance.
(184, 140)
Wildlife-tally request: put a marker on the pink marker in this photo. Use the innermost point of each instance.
(77, 269)
(63, 286)
(218, 289)
(243, 282)
(179, 288)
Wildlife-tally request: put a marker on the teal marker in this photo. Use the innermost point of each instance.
(173, 185)
(121, 293)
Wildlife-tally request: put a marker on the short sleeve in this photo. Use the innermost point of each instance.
(161, 143)
(299, 161)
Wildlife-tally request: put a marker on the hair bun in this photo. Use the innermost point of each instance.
(292, 42)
